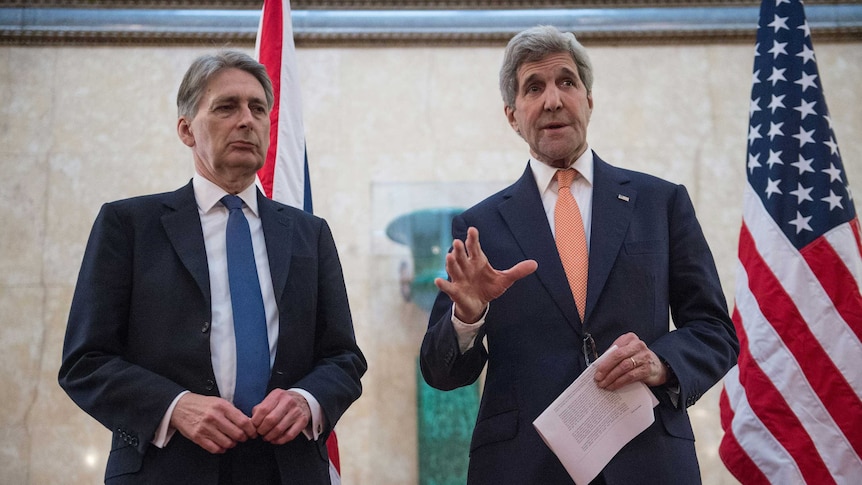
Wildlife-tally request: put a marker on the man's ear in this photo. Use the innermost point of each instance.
(184, 130)
(510, 115)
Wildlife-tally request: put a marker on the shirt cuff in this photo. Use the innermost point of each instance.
(467, 332)
(672, 385)
(318, 419)
(165, 432)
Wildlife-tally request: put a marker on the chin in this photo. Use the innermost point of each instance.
(250, 163)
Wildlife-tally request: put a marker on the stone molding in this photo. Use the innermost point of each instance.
(392, 23)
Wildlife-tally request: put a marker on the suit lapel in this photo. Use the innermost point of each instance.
(524, 214)
(613, 204)
(277, 228)
(182, 225)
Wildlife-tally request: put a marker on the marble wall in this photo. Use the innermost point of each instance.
(389, 129)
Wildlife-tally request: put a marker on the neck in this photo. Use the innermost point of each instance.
(231, 185)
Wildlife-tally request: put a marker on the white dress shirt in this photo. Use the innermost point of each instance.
(213, 216)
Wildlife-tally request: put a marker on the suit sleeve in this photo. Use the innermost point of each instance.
(124, 397)
(338, 363)
(704, 345)
(440, 359)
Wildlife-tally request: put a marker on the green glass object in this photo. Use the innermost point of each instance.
(428, 234)
(446, 420)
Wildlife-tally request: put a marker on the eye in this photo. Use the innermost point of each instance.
(569, 83)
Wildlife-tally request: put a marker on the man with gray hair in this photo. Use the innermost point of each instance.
(210, 329)
(598, 257)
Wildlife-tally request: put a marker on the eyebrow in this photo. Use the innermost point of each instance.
(235, 99)
(565, 71)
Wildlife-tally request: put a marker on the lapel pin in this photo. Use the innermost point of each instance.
(623, 198)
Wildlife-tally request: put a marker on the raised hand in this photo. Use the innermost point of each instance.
(473, 283)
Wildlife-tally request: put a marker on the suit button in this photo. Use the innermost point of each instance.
(205, 327)
(210, 385)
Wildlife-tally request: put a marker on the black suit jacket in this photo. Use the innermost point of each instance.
(139, 328)
(648, 261)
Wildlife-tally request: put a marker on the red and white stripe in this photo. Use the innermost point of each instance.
(283, 174)
(792, 408)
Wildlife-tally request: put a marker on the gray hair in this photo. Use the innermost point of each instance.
(205, 67)
(535, 44)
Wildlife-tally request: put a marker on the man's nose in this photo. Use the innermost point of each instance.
(553, 101)
(246, 117)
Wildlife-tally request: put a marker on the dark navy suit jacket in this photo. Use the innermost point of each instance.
(139, 328)
(648, 261)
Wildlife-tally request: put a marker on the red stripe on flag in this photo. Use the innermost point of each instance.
(332, 447)
(271, 31)
(725, 411)
(780, 310)
(771, 408)
(857, 235)
(732, 454)
(838, 282)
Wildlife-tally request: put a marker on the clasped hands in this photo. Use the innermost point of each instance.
(473, 283)
(215, 425)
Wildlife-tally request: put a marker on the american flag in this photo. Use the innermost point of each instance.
(792, 407)
(284, 176)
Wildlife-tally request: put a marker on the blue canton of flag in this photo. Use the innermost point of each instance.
(793, 160)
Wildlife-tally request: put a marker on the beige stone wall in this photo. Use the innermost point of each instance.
(388, 130)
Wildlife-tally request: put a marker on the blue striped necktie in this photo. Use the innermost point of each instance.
(249, 318)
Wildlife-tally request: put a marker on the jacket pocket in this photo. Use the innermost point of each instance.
(500, 427)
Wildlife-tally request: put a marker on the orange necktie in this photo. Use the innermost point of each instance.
(571, 239)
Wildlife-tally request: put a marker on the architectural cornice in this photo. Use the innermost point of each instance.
(327, 23)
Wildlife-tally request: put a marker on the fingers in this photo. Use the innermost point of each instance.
(464, 270)
(472, 242)
(457, 262)
(211, 422)
(630, 362)
(281, 416)
(520, 270)
(473, 282)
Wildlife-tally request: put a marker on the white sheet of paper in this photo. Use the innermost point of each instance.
(586, 426)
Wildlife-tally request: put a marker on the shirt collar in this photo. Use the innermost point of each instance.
(544, 173)
(208, 194)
